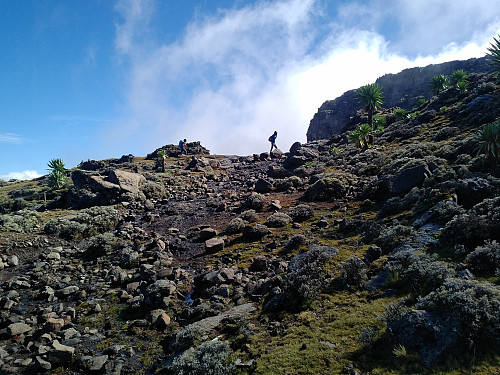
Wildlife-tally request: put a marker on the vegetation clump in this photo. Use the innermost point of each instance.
(86, 223)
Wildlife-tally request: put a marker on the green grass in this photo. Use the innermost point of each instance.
(318, 341)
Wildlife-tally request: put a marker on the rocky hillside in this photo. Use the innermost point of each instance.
(400, 90)
(326, 259)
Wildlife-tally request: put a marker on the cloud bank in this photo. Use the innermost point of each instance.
(237, 75)
(24, 175)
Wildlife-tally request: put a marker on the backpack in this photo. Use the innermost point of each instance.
(271, 139)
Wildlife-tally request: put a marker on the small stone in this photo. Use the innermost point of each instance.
(15, 329)
(43, 363)
(163, 321)
(214, 245)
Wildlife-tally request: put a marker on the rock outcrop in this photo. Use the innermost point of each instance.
(400, 90)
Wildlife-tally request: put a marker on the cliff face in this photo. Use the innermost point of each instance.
(400, 90)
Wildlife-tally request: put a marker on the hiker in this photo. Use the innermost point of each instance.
(272, 139)
(182, 146)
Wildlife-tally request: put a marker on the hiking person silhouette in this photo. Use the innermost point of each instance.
(182, 146)
(272, 139)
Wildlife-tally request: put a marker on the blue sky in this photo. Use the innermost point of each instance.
(98, 79)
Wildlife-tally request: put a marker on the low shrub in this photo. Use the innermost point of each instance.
(22, 221)
(278, 220)
(64, 228)
(153, 190)
(425, 274)
(209, 358)
(393, 236)
(471, 229)
(473, 305)
(295, 242)
(184, 339)
(301, 212)
(485, 259)
(99, 245)
(306, 277)
(255, 201)
(236, 225)
(353, 272)
(86, 223)
(392, 206)
(250, 216)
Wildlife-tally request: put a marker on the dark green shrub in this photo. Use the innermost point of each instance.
(306, 273)
(278, 220)
(86, 223)
(439, 83)
(494, 55)
(353, 272)
(400, 114)
(485, 259)
(425, 274)
(22, 221)
(301, 212)
(153, 190)
(64, 228)
(471, 304)
(209, 358)
(393, 236)
(19, 204)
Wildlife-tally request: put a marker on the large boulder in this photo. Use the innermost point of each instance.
(127, 181)
(405, 180)
(263, 186)
(118, 185)
(474, 190)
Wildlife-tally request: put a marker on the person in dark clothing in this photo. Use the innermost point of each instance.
(272, 139)
(182, 146)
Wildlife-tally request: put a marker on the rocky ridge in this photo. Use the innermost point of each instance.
(400, 90)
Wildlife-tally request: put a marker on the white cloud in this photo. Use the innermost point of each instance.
(24, 175)
(237, 76)
(10, 138)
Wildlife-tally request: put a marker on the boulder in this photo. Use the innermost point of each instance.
(200, 164)
(128, 181)
(263, 186)
(16, 329)
(94, 363)
(214, 245)
(255, 232)
(60, 354)
(404, 181)
(473, 190)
